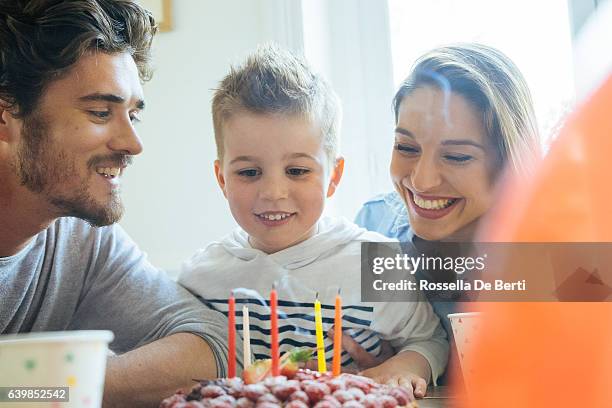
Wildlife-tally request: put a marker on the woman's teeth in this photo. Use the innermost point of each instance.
(433, 204)
(274, 217)
(109, 171)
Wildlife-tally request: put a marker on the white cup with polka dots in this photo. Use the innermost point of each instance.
(73, 359)
(465, 327)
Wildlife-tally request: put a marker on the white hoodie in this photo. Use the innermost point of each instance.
(323, 264)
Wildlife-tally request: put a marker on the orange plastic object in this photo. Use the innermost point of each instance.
(570, 197)
(553, 354)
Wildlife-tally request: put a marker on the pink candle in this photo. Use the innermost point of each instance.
(231, 338)
(274, 333)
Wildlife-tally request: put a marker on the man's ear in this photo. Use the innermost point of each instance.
(336, 176)
(7, 119)
(220, 177)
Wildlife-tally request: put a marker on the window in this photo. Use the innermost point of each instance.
(536, 35)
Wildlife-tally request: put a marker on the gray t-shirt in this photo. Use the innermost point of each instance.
(72, 276)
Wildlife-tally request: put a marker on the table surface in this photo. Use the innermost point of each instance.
(438, 397)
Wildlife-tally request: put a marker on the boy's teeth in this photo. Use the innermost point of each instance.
(274, 217)
(433, 204)
(109, 171)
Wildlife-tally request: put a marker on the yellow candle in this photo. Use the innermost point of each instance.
(246, 337)
(319, 332)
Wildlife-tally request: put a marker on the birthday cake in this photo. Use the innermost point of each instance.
(304, 389)
(283, 384)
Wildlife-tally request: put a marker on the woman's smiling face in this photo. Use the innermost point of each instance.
(442, 163)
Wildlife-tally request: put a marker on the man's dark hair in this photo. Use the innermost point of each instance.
(40, 40)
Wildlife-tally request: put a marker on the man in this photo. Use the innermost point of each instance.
(70, 95)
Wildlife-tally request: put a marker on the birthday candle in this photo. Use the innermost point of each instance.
(337, 335)
(231, 340)
(246, 336)
(319, 331)
(274, 332)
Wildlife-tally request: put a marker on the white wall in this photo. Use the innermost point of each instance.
(173, 205)
(348, 41)
(592, 65)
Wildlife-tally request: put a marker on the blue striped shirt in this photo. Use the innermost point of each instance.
(323, 264)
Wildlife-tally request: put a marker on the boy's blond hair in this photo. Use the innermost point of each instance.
(275, 81)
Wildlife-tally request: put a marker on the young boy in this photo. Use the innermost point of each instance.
(276, 128)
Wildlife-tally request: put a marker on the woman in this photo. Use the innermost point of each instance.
(462, 116)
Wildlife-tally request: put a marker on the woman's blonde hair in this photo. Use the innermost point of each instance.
(493, 84)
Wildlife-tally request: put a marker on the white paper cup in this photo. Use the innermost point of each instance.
(74, 359)
(465, 326)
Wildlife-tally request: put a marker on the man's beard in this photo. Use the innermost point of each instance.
(44, 168)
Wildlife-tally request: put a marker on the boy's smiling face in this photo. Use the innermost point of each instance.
(275, 175)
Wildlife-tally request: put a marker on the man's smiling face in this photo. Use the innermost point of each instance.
(75, 145)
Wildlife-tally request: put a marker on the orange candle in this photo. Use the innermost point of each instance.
(337, 336)
(274, 333)
(231, 338)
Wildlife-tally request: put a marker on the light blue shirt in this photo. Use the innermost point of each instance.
(387, 215)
